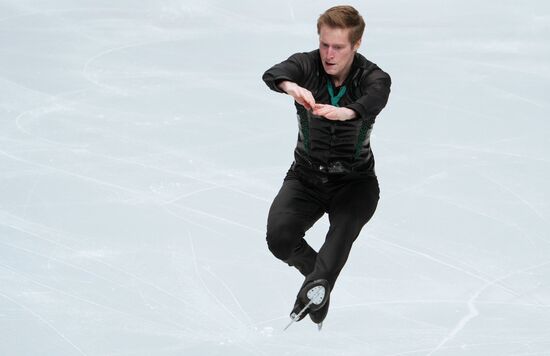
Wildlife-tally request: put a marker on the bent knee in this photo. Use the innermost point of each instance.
(282, 237)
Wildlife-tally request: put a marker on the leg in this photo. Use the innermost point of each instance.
(350, 209)
(293, 211)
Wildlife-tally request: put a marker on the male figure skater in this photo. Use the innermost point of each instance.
(338, 93)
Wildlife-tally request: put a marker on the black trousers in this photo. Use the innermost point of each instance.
(350, 201)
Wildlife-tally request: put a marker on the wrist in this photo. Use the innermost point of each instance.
(286, 85)
(350, 113)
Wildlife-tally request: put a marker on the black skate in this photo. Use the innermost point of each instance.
(298, 306)
(318, 316)
(312, 297)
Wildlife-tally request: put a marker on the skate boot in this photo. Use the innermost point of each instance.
(298, 306)
(318, 316)
(315, 294)
(311, 298)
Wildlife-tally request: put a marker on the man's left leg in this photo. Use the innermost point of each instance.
(350, 208)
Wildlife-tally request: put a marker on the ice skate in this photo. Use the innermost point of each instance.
(319, 316)
(311, 298)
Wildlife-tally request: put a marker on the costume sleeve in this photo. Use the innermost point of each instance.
(291, 69)
(375, 87)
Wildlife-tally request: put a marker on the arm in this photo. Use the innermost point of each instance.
(375, 87)
(334, 113)
(301, 95)
(376, 90)
(287, 76)
(291, 70)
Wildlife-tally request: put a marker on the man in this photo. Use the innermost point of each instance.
(338, 93)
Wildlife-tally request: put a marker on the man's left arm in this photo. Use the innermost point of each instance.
(375, 87)
(376, 90)
(333, 112)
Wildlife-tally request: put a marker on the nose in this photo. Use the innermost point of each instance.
(330, 52)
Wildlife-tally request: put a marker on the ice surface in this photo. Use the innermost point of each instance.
(140, 152)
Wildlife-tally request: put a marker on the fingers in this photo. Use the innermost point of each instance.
(331, 112)
(324, 110)
(307, 98)
(302, 97)
(334, 116)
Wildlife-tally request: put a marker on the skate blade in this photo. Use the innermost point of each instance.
(320, 326)
(313, 294)
(296, 317)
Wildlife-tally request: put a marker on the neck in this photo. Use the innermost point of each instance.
(339, 79)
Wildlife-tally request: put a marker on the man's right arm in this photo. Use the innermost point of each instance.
(285, 77)
(301, 95)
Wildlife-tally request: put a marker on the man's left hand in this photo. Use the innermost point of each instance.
(333, 113)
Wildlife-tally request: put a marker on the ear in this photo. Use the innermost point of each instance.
(357, 45)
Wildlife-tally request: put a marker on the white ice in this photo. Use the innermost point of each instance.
(140, 152)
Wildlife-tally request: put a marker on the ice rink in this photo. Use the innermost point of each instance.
(140, 152)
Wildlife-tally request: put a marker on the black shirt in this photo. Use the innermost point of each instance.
(327, 147)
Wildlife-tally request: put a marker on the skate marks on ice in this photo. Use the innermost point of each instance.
(46, 322)
(473, 311)
(209, 310)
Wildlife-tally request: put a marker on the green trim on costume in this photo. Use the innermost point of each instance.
(361, 138)
(335, 99)
(304, 125)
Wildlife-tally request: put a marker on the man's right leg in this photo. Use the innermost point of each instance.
(293, 211)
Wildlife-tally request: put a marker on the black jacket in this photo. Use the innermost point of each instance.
(327, 147)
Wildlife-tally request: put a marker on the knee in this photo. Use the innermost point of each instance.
(279, 248)
(281, 238)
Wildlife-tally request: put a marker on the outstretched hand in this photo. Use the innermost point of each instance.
(333, 113)
(301, 95)
(305, 98)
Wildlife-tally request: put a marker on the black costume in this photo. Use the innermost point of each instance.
(333, 169)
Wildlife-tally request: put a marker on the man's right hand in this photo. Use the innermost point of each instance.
(301, 95)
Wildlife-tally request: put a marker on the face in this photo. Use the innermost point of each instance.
(336, 51)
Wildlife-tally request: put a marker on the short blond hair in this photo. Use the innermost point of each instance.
(345, 17)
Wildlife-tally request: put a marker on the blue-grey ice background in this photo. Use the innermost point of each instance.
(140, 152)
